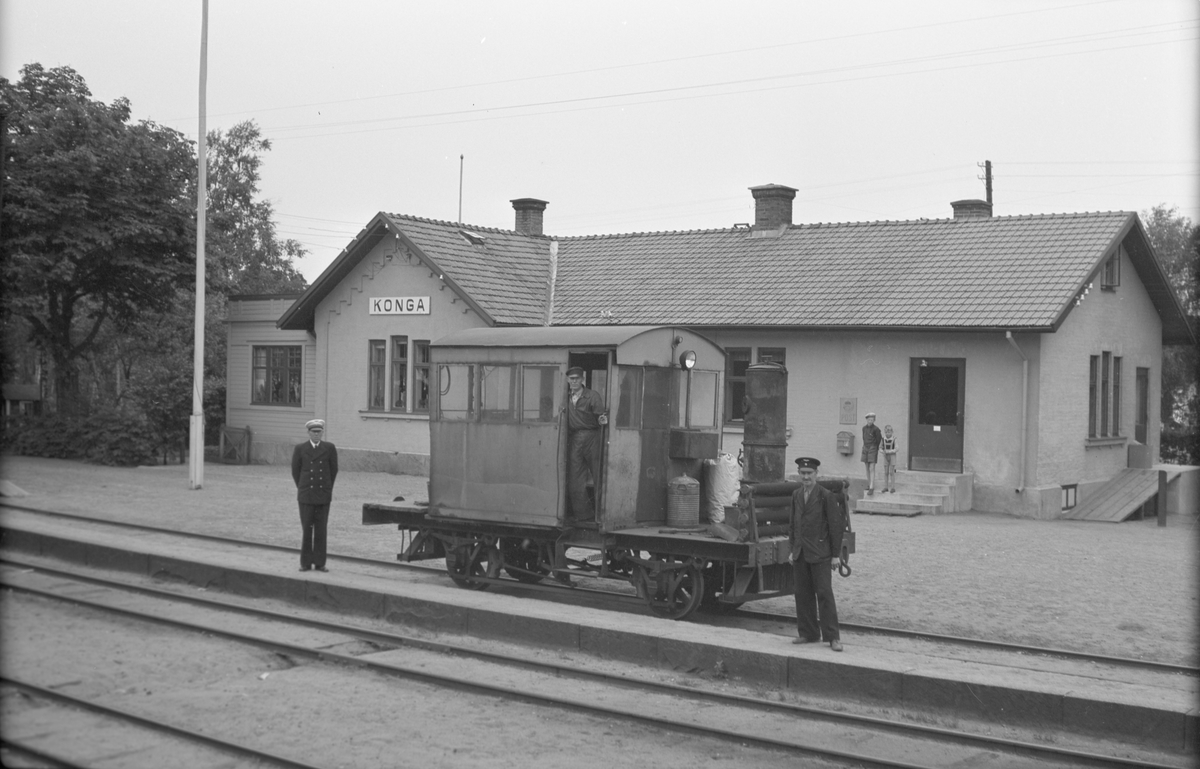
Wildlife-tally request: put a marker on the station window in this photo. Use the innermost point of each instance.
(421, 378)
(736, 362)
(772, 355)
(537, 393)
(399, 398)
(1104, 395)
(498, 386)
(456, 392)
(376, 374)
(276, 375)
(1110, 276)
(1069, 496)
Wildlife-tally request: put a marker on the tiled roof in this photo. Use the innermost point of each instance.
(505, 272)
(985, 273)
(1008, 272)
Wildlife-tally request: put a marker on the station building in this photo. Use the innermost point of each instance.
(1019, 356)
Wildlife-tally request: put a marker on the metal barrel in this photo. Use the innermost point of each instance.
(683, 502)
(765, 413)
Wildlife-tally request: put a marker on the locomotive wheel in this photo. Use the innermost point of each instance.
(674, 594)
(467, 561)
(525, 561)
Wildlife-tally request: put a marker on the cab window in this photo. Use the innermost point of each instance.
(537, 393)
(456, 392)
(498, 385)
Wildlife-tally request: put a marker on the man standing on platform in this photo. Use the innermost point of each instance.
(815, 534)
(314, 469)
(585, 416)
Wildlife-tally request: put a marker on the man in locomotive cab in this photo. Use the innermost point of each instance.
(815, 534)
(585, 416)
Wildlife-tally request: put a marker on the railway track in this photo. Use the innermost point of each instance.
(630, 603)
(199, 747)
(796, 729)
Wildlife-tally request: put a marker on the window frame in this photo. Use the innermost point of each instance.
(420, 362)
(287, 369)
(734, 381)
(1105, 371)
(398, 368)
(1110, 272)
(1070, 495)
(377, 388)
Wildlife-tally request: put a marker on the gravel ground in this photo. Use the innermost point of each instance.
(1126, 589)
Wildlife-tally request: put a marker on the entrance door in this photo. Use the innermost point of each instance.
(935, 422)
(595, 367)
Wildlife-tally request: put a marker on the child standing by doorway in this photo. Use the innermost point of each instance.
(889, 459)
(870, 450)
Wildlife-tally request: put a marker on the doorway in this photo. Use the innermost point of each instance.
(937, 387)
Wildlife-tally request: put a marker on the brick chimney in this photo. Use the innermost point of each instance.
(972, 209)
(772, 206)
(529, 215)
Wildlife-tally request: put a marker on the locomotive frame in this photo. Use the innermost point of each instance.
(498, 469)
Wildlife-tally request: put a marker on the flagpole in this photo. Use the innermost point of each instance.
(196, 423)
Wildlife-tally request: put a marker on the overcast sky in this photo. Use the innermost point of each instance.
(638, 116)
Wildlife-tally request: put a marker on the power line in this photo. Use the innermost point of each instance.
(476, 112)
(693, 57)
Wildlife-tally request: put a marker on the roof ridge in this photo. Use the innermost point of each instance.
(465, 226)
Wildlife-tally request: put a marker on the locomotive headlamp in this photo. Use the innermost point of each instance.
(687, 360)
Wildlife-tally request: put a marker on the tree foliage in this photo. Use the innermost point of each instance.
(96, 224)
(243, 253)
(98, 237)
(1176, 241)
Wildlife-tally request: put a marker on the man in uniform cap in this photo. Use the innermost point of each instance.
(815, 535)
(314, 469)
(585, 416)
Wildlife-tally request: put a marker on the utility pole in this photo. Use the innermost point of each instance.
(196, 423)
(460, 178)
(987, 178)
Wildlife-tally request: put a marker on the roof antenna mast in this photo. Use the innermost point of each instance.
(460, 178)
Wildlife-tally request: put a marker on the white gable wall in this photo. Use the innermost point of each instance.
(1124, 323)
(395, 441)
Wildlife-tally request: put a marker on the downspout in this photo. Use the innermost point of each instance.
(1024, 405)
(550, 282)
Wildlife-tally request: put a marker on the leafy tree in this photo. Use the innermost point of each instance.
(1176, 241)
(244, 256)
(97, 223)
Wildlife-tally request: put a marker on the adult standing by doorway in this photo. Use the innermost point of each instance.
(585, 416)
(314, 469)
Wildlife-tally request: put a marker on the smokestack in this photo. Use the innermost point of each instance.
(529, 215)
(972, 209)
(772, 206)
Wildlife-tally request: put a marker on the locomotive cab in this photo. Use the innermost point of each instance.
(498, 426)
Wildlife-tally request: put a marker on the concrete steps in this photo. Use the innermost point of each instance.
(920, 492)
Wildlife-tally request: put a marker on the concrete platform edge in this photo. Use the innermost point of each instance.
(1162, 728)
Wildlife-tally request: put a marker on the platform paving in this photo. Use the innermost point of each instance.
(1123, 590)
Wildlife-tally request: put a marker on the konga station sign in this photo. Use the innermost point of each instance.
(399, 305)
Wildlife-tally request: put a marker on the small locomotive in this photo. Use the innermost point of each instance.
(499, 467)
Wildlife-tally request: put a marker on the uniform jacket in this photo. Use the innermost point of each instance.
(585, 413)
(816, 527)
(314, 470)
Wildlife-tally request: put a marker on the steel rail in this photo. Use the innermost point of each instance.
(557, 669)
(22, 748)
(156, 725)
(756, 614)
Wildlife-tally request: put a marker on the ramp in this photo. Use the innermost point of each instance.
(1118, 499)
